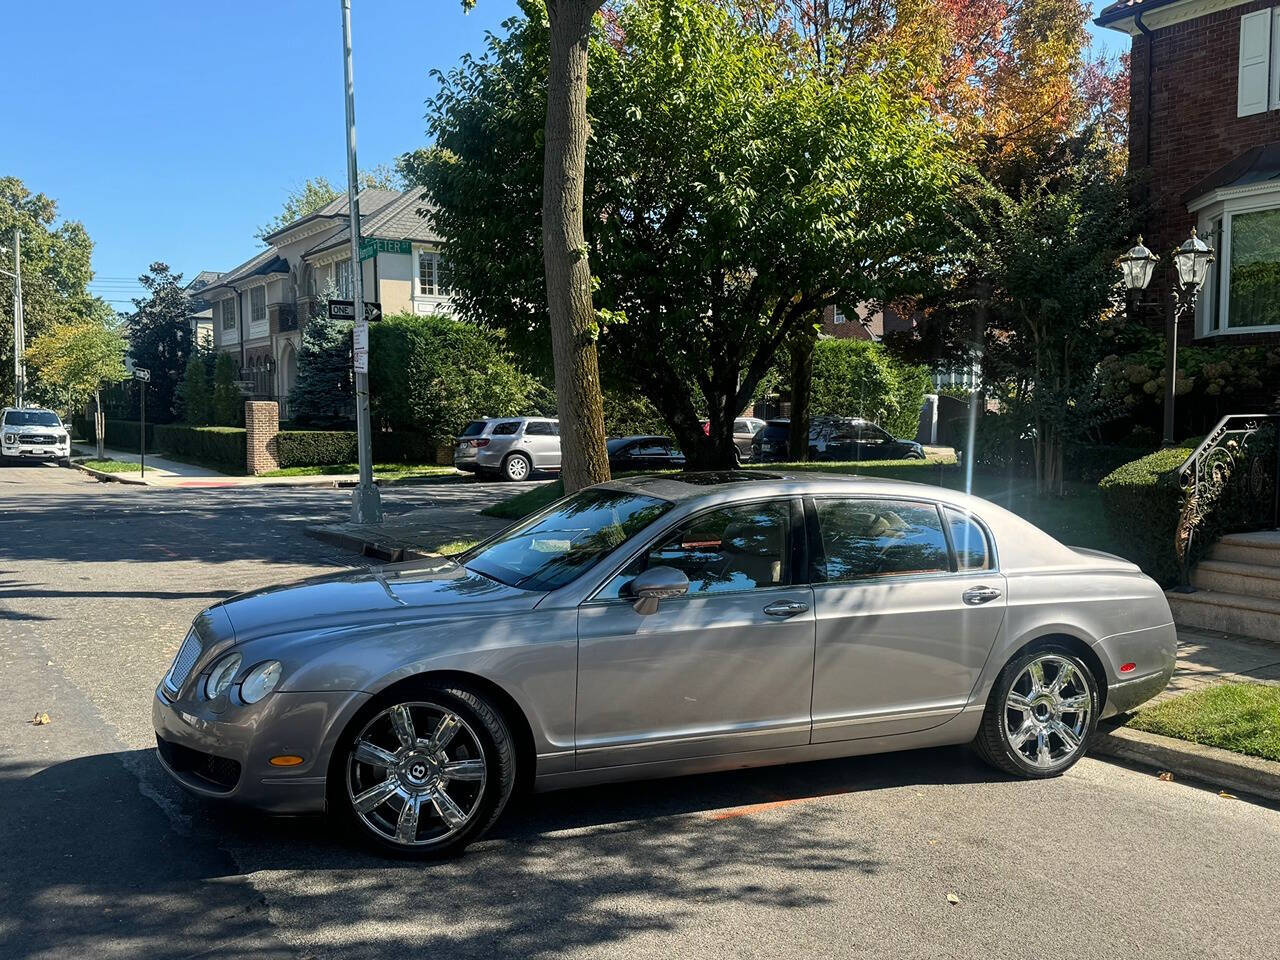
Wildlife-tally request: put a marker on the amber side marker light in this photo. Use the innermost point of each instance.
(1123, 669)
(288, 760)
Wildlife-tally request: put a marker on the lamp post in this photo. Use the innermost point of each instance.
(1191, 266)
(19, 335)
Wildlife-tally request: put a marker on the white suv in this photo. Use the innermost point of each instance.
(33, 433)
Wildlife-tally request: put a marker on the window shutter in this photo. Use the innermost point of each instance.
(1275, 61)
(1255, 63)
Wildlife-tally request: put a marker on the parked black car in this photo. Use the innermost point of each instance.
(644, 453)
(835, 439)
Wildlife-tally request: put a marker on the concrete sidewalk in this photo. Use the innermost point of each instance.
(162, 472)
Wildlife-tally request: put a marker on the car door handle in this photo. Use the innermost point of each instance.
(786, 608)
(979, 595)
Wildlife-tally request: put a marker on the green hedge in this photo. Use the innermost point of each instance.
(221, 448)
(318, 448)
(1142, 501)
(121, 434)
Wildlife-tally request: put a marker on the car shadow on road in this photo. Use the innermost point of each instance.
(98, 868)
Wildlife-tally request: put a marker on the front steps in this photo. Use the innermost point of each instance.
(1237, 587)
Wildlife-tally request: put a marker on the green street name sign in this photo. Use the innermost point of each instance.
(371, 248)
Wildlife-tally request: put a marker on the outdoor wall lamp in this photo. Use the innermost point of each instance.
(1191, 266)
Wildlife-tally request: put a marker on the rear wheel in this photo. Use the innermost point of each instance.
(1041, 714)
(516, 468)
(425, 773)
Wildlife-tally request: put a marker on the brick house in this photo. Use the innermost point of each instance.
(259, 308)
(1204, 128)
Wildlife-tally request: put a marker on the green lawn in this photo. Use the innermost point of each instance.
(1075, 518)
(384, 471)
(1244, 717)
(112, 466)
(453, 547)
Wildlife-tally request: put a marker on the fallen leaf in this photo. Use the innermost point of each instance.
(952, 899)
(1165, 775)
(933, 843)
(40, 719)
(1227, 796)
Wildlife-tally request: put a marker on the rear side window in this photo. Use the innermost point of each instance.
(540, 428)
(507, 428)
(473, 429)
(972, 551)
(867, 539)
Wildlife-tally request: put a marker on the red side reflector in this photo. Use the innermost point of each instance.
(1128, 667)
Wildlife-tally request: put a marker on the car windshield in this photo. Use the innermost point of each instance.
(31, 418)
(566, 540)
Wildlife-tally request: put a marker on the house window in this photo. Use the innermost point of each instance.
(258, 304)
(433, 275)
(838, 316)
(228, 309)
(1254, 266)
(342, 279)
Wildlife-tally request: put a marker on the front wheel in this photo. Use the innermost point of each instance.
(1041, 714)
(425, 773)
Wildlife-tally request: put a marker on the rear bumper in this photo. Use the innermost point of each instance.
(1152, 654)
(226, 756)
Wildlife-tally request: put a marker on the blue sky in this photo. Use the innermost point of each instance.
(173, 130)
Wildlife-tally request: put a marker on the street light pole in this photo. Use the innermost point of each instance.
(19, 335)
(366, 501)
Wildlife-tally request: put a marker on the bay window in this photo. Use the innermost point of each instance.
(1242, 291)
(433, 275)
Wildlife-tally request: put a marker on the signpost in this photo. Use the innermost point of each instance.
(143, 377)
(360, 346)
(371, 248)
(346, 310)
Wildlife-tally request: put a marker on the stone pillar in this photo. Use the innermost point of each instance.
(262, 423)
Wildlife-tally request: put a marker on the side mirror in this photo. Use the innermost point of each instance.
(655, 584)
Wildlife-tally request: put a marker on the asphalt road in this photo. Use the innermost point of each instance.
(101, 857)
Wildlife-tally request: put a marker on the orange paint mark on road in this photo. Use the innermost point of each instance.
(204, 483)
(755, 808)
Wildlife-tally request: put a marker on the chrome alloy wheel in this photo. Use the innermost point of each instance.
(517, 468)
(1046, 712)
(413, 790)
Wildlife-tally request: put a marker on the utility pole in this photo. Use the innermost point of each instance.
(366, 500)
(19, 335)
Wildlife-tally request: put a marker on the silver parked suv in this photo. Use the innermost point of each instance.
(512, 447)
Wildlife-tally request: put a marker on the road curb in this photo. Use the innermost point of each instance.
(109, 477)
(1213, 765)
(387, 552)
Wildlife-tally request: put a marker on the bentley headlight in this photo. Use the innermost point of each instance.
(221, 675)
(260, 681)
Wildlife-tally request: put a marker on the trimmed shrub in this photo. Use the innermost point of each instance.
(316, 448)
(1142, 501)
(121, 434)
(221, 448)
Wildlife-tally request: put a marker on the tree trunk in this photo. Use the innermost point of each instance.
(99, 424)
(802, 346)
(585, 459)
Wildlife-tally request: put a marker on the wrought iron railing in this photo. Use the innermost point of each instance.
(1229, 484)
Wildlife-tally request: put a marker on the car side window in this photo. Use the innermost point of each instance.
(868, 539)
(970, 543)
(537, 428)
(507, 428)
(730, 550)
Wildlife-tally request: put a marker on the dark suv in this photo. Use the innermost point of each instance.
(834, 439)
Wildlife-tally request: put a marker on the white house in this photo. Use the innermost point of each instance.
(259, 307)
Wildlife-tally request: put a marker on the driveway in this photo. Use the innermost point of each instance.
(104, 858)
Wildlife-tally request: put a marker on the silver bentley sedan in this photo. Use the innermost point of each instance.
(654, 626)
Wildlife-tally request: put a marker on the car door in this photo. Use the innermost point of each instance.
(542, 444)
(726, 668)
(908, 605)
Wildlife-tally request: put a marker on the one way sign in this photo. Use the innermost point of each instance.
(346, 310)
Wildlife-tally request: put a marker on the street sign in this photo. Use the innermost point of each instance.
(371, 248)
(143, 375)
(346, 310)
(360, 344)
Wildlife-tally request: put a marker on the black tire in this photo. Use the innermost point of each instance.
(517, 467)
(482, 725)
(995, 742)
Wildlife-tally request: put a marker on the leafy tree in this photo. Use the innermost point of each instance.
(79, 358)
(316, 192)
(860, 378)
(55, 274)
(160, 339)
(323, 395)
(563, 57)
(432, 374)
(195, 393)
(730, 197)
(227, 401)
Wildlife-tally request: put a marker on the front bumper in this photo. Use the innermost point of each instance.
(225, 754)
(41, 451)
